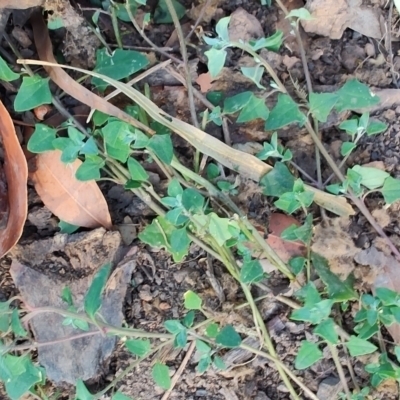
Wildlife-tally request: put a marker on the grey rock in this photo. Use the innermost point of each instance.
(329, 388)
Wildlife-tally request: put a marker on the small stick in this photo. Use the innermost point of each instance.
(178, 373)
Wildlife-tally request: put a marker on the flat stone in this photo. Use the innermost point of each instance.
(329, 388)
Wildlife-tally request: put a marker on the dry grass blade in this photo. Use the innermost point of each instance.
(16, 172)
(78, 203)
(69, 85)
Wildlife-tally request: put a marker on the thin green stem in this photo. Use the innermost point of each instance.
(339, 369)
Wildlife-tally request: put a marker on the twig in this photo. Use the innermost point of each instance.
(339, 369)
(185, 58)
(178, 373)
(199, 18)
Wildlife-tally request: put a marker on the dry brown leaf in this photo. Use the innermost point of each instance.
(16, 173)
(285, 249)
(20, 4)
(205, 82)
(78, 203)
(69, 85)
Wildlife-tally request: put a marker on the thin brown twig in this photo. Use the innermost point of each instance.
(182, 43)
(199, 18)
(178, 373)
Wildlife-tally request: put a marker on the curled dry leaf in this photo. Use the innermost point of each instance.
(78, 203)
(16, 175)
(284, 249)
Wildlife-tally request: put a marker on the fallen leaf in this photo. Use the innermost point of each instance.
(16, 174)
(205, 82)
(41, 111)
(21, 4)
(284, 249)
(332, 17)
(78, 203)
(68, 84)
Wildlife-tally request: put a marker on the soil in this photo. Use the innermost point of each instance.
(157, 284)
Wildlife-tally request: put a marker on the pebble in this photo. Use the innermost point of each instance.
(329, 389)
(370, 50)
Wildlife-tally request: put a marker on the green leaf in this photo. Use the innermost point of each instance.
(300, 13)
(354, 95)
(66, 296)
(391, 190)
(137, 172)
(371, 178)
(188, 319)
(219, 363)
(6, 73)
(251, 272)
(235, 103)
(313, 313)
(122, 12)
(65, 227)
(375, 127)
(284, 113)
(255, 74)
(347, 148)
(326, 329)
(89, 148)
(118, 136)
(212, 330)
(180, 339)
(90, 168)
(174, 188)
(202, 347)
(387, 296)
(92, 301)
(212, 171)
(228, 337)
(100, 118)
(139, 347)
(33, 92)
(179, 241)
(222, 28)
(221, 229)
(297, 264)
(162, 147)
(278, 181)
(16, 325)
(42, 139)
(321, 105)
(160, 374)
(216, 61)
(272, 43)
(288, 202)
(309, 353)
(192, 301)
(359, 347)
(254, 109)
(82, 393)
(302, 233)
(119, 65)
(338, 290)
(174, 326)
(162, 14)
(120, 396)
(204, 364)
(350, 126)
(54, 23)
(192, 200)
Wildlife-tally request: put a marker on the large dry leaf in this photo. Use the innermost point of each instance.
(20, 4)
(69, 85)
(78, 203)
(16, 174)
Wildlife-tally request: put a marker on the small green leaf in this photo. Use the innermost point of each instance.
(375, 127)
(54, 23)
(6, 73)
(34, 92)
(162, 14)
(300, 13)
(222, 28)
(162, 147)
(139, 347)
(92, 301)
(192, 200)
(212, 330)
(180, 339)
(255, 74)
(90, 168)
(100, 118)
(347, 148)
(16, 325)
(254, 109)
(338, 290)
(216, 61)
(235, 103)
(179, 241)
(251, 272)
(359, 347)
(371, 178)
(42, 139)
(221, 229)
(174, 188)
(350, 126)
(120, 396)
(212, 171)
(391, 190)
(228, 337)
(326, 329)
(284, 113)
(309, 353)
(65, 227)
(66, 296)
(321, 104)
(118, 136)
(192, 301)
(119, 65)
(202, 347)
(174, 326)
(297, 264)
(137, 172)
(354, 95)
(278, 181)
(272, 43)
(82, 393)
(160, 374)
(204, 364)
(219, 363)
(314, 314)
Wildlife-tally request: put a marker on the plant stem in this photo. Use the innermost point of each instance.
(339, 369)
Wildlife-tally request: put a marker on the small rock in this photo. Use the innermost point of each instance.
(389, 114)
(244, 26)
(294, 328)
(261, 396)
(282, 388)
(329, 389)
(397, 110)
(370, 50)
